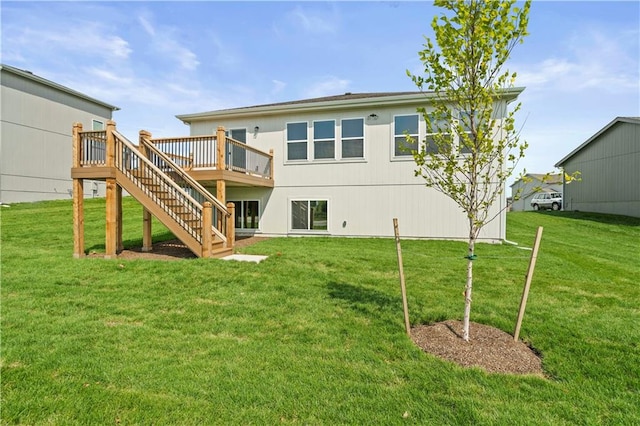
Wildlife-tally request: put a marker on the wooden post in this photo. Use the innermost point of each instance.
(221, 191)
(207, 222)
(78, 195)
(147, 239)
(221, 148)
(147, 243)
(111, 228)
(231, 225)
(405, 306)
(111, 144)
(271, 164)
(119, 245)
(527, 284)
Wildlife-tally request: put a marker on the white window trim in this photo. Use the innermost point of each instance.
(337, 144)
(419, 138)
(249, 230)
(364, 141)
(286, 143)
(308, 231)
(94, 121)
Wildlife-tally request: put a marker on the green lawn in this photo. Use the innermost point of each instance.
(314, 334)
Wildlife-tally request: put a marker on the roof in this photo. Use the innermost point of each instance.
(31, 76)
(343, 101)
(546, 178)
(631, 120)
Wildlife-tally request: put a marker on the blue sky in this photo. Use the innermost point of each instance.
(580, 64)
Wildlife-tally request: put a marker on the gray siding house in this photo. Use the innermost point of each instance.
(609, 166)
(35, 136)
(523, 190)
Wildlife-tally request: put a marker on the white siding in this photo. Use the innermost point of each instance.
(364, 195)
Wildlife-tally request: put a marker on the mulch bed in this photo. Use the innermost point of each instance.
(488, 348)
(172, 250)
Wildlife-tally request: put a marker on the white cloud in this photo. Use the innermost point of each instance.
(165, 42)
(317, 22)
(593, 61)
(278, 86)
(327, 86)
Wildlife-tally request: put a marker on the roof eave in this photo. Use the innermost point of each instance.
(30, 76)
(339, 104)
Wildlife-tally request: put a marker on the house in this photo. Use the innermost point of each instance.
(609, 166)
(35, 136)
(523, 190)
(339, 168)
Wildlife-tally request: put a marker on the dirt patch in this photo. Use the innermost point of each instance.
(489, 348)
(173, 250)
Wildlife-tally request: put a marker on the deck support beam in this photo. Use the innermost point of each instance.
(78, 195)
(231, 225)
(147, 243)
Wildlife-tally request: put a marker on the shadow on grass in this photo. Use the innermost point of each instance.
(609, 219)
(364, 300)
(133, 243)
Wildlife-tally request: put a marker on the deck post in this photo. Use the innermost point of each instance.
(119, 244)
(231, 225)
(147, 241)
(147, 244)
(111, 227)
(271, 164)
(221, 147)
(207, 222)
(78, 195)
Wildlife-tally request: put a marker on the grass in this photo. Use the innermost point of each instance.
(314, 334)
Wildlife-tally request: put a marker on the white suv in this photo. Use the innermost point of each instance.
(547, 200)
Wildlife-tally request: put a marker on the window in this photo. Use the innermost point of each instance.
(404, 124)
(247, 214)
(439, 125)
(465, 124)
(97, 125)
(296, 141)
(308, 215)
(352, 138)
(237, 155)
(324, 140)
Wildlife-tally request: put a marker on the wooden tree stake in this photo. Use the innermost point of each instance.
(527, 284)
(403, 289)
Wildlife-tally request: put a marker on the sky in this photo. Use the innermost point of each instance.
(580, 65)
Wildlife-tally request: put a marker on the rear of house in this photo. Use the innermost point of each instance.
(35, 136)
(609, 166)
(340, 168)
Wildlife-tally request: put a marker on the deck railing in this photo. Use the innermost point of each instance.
(97, 149)
(204, 152)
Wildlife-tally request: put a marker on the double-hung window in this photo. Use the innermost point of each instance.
(352, 138)
(324, 140)
(403, 125)
(309, 215)
(438, 129)
(297, 141)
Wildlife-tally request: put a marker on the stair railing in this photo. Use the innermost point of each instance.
(138, 168)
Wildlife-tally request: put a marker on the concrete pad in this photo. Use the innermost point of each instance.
(245, 258)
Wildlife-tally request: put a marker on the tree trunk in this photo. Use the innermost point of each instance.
(467, 291)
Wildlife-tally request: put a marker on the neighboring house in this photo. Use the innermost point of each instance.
(609, 166)
(339, 168)
(523, 190)
(35, 136)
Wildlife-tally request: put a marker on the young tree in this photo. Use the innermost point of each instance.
(472, 145)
